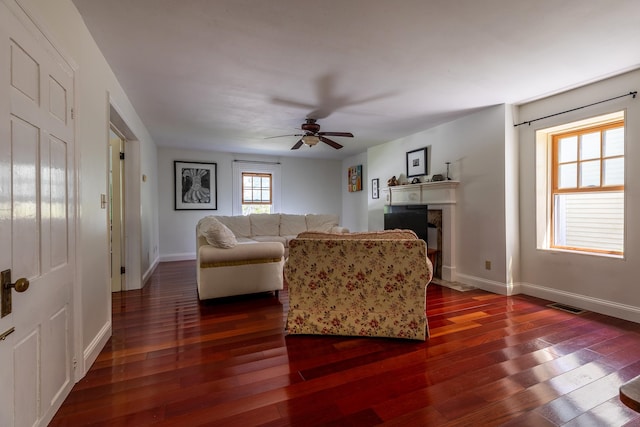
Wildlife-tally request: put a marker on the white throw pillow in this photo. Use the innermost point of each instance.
(217, 234)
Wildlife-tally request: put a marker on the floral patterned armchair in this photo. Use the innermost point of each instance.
(358, 284)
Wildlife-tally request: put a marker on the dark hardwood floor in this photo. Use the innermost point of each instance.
(491, 360)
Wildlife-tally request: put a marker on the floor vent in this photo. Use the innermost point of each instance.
(567, 308)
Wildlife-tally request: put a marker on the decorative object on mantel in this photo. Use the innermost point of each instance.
(437, 178)
(355, 178)
(392, 182)
(448, 177)
(375, 185)
(415, 181)
(417, 162)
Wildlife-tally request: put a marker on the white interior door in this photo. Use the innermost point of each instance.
(37, 221)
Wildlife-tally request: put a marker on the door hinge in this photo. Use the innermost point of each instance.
(73, 113)
(75, 363)
(121, 156)
(122, 270)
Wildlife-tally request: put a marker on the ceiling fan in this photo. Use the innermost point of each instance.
(312, 135)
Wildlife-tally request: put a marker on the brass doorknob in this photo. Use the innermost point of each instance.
(21, 285)
(6, 284)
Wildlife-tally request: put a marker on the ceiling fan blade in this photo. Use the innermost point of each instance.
(281, 136)
(297, 145)
(347, 134)
(331, 143)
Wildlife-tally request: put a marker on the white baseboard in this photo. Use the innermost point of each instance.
(597, 305)
(610, 308)
(178, 257)
(489, 285)
(94, 348)
(150, 270)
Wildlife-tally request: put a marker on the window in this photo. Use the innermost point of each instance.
(256, 192)
(587, 188)
(256, 187)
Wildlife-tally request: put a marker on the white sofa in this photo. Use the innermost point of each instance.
(245, 254)
(279, 227)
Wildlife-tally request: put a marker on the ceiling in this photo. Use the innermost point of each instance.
(224, 75)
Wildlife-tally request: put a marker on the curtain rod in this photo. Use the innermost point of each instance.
(257, 161)
(528, 122)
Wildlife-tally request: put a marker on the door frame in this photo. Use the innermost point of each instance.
(119, 193)
(132, 217)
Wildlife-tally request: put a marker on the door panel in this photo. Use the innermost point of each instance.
(37, 218)
(25, 73)
(57, 213)
(26, 353)
(24, 147)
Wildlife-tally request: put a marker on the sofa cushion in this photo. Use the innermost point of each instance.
(278, 239)
(265, 224)
(241, 254)
(324, 223)
(216, 233)
(239, 224)
(245, 240)
(291, 225)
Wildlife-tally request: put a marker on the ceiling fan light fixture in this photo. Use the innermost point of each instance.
(310, 140)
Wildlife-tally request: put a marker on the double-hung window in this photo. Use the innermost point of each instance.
(256, 193)
(256, 187)
(587, 194)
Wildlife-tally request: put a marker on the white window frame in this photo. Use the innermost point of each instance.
(544, 184)
(246, 166)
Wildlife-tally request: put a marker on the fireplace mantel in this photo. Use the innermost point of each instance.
(437, 196)
(425, 193)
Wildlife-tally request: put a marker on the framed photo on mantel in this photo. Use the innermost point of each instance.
(417, 162)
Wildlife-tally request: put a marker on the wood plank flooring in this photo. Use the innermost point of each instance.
(491, 360)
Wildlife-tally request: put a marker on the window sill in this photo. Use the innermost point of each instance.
(555, 251)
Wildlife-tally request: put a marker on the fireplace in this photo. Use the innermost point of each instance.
(437, 201)
(425, 222)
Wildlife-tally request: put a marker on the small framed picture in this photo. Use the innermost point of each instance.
(195, 185)
(354, 180)
(417, 162)
(375, 187)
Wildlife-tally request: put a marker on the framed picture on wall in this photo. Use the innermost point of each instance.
(417, 162)
(354, 180)
(195, 186)
(375, 188)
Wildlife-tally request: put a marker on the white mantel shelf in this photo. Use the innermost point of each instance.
(424, 193)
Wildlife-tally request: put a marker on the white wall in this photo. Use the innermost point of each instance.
(308, 186)
(311, 186)
(475, 146)
(95, 84)
(354, 204)
(597, 283)
(150, 255)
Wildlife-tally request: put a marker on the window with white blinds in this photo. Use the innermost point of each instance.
(587, 197)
